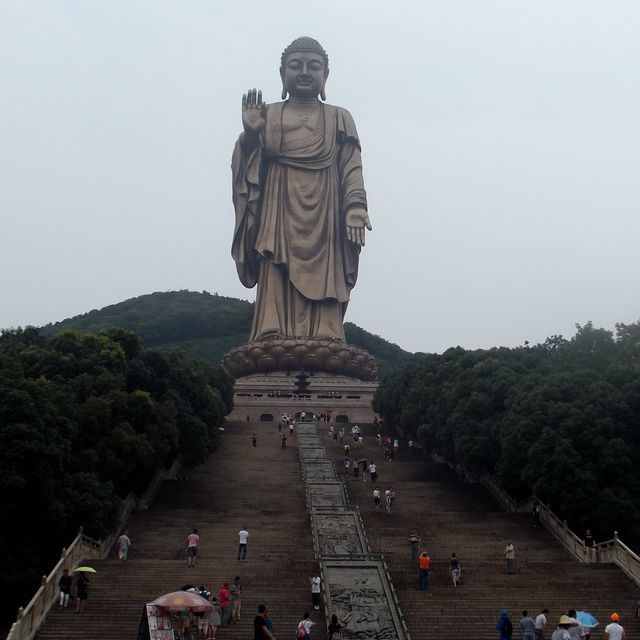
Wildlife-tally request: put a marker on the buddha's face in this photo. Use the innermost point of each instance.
(304, 74)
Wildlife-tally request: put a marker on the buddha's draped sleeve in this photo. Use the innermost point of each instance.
(349, 163)
(246, 168)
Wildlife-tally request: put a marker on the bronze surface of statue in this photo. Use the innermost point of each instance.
(300, 205)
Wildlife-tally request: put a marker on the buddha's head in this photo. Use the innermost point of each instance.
(304, 68)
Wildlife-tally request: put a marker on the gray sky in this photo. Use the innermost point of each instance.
(501, 148)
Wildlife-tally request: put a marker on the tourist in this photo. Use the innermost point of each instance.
(123, 544)
(527, 627)
(193, 546)
(378, 439)
(268, 622)
(235, 599)
(414, 543)
(334, 630)
(347, 466)
(341, 435)
(254, 440)
(223, 598)
(614, 630)
(540, 624)
(510, 556)
(576, 632)
(455, 568)
(376, 499)
(355, 468)
(334, 435)
(260, 629)
(535, 513)
(423, 571)
(315, 592)
(562, 631)
(504, 625)
(389, 495)
(243, 540)
(347, 448)
(291, 428)
(65, 583)
(396, 445)
(214, 618)
(411, 445)
(373, 472)
(283, 441)
(589, 546)
(304, 628)
(365, 469)
(82, 591)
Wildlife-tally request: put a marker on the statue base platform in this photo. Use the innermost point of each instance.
(328, 355)
(264, 397)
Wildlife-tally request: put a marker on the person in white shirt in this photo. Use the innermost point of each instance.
(243, 540)
(615, 631)
(541, 621)
(315, 592)
(304, 627)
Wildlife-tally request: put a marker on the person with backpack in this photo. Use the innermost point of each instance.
(504, 626)
(304, 627)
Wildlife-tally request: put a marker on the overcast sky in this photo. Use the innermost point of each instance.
(501, 150)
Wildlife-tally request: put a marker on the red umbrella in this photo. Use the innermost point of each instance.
(183, 601)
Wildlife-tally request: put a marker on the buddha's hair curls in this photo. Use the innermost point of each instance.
(305, 44)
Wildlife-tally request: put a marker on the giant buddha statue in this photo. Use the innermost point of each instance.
(301, 220)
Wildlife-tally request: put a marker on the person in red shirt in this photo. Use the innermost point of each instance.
(223, 599)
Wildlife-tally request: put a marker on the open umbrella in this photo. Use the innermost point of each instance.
(586, 619)
(85, 570)
(182, 601)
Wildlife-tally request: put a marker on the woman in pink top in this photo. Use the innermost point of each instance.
(193, 542)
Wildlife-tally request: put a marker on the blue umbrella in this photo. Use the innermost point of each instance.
(586, 619)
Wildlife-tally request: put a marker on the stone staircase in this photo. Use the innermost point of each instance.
(239, 486)
(262, 489)
(452, 516)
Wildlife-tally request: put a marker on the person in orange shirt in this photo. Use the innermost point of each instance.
(423, 574)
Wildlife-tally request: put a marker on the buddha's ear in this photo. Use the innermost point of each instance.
(284, 89)
(323, 95)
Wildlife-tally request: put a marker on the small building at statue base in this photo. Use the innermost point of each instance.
(266, 396)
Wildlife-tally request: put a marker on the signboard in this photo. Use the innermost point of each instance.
(159, 622)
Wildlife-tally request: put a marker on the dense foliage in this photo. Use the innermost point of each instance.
(204, 325)
(85, 419)
(560, 419)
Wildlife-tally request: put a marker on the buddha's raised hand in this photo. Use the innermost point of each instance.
(254, 112)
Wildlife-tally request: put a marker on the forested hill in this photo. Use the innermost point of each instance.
(204, 325)
(559, 419)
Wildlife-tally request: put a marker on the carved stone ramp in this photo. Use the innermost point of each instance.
(361, 595)
(457, 517)
(356, 583)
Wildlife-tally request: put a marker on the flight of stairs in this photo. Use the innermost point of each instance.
(262, 489)
(453, 516)
(239, 486)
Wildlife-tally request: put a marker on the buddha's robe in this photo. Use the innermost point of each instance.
(291, 195)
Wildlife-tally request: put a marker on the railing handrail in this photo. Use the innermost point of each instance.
(31, 617)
